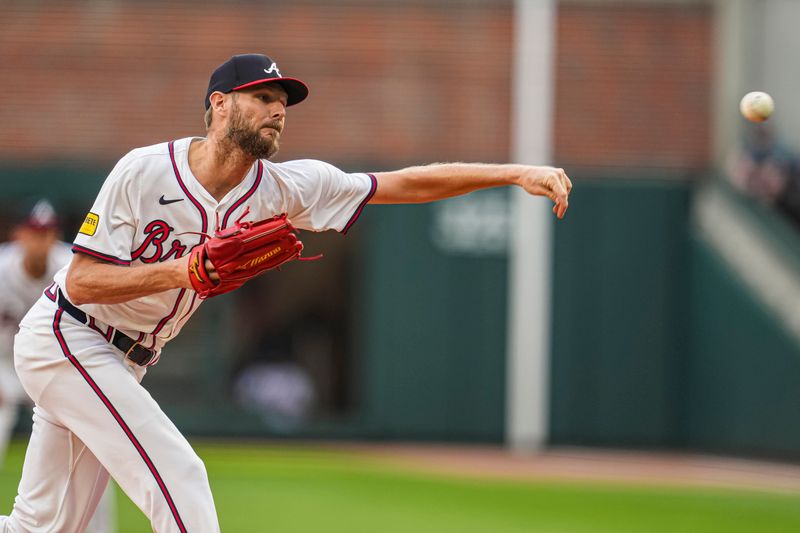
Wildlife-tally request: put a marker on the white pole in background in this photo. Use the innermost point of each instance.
(527, 381)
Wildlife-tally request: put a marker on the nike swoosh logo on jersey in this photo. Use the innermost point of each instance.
(162, 201)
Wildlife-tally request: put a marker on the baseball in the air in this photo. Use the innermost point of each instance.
(757, 106)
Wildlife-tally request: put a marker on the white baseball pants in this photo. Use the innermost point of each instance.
(92, 418)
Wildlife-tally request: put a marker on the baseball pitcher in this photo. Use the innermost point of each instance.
(176, 223)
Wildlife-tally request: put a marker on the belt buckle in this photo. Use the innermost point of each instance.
(140, 363)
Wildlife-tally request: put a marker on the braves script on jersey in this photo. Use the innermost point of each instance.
(151, 208)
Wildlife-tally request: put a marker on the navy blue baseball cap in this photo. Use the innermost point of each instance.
(247, 70)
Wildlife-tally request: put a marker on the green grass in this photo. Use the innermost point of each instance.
(304, 490)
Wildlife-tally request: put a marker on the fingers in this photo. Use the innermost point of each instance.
(212, 272)
(560, 200)
(552, 183)
(565, 180)
(561, 187)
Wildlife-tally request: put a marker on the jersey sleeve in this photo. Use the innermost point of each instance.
(107, 231)
(318, 196)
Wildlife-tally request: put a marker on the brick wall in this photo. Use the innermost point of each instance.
(633, 86)
(391, 83)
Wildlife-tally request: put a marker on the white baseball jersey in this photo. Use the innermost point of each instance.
(19, 290)
(151, 208)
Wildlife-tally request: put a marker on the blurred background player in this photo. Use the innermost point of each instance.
(27, 265)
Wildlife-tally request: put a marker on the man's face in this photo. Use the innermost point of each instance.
(256, 119)
(35, 242)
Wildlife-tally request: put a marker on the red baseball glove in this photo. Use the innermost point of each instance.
(242, 252)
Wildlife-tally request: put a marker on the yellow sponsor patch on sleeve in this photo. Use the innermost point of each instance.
(89, 225)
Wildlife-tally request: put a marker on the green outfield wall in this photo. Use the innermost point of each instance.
(619, 314)
(742, 388)
(656, 341)
(432, 326)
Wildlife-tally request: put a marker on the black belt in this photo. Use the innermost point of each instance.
(132, 349)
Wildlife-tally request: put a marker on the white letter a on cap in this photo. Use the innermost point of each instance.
(273, 68)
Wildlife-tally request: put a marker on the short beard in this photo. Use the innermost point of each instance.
(250, 140)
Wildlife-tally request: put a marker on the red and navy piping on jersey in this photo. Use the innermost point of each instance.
(372, 188)
(171, 314)
(245, 196)
(50, 293)
(197, 204)
(120, 421)
(107, 334)
(152, 347)
(203, 232)
(184, 317)
(105, 257)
